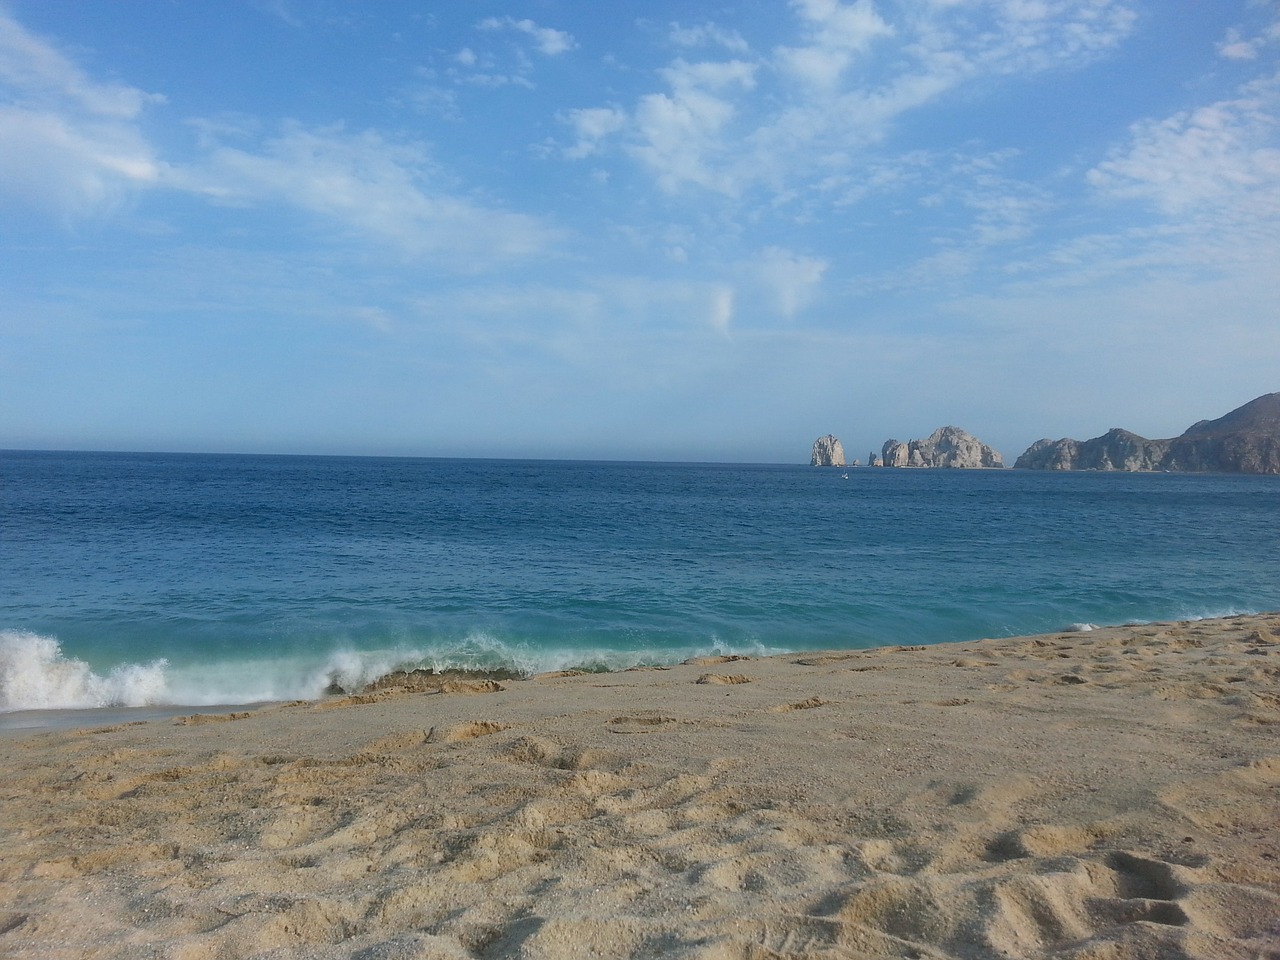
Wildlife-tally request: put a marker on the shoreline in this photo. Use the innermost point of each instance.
(1106, 793)
(15, 722)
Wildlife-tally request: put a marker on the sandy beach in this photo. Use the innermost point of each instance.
(1108, 794)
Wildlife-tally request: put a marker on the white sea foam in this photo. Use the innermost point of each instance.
(1216, 613)
(1219, 613)
(35, 675)
(481, 652)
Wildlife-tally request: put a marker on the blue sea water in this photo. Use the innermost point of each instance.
(129, 579)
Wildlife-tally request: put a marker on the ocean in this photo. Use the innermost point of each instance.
(173, 579)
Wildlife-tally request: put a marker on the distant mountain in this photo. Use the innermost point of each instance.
(1246, 440)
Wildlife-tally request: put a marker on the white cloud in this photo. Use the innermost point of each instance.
(68, 143)
(1205, 190)
(712, 75)
(1187, 248)
(678, 137)
(37, 72)
(513, 67)
(791, 279)
(708, 34)
(721, 313)
(1004, 210)
(468, 67)
(838, 34)
(1234, 48)
(1237, 46)
(592, 126)
(493, 80)
(75, 146)
(374, 188)
(671, 132)
(434, 100)
(1019, 36)
(681, 134)
(1224, 156)
(550, 42)
(809, 112)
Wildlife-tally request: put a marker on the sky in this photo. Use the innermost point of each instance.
(651, 231)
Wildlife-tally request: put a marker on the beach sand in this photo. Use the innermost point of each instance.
(1110, 794)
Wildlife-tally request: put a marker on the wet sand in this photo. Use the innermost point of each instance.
(1105, 795)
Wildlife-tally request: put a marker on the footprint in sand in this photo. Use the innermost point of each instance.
(715, 661)
(809, 704)
(399, 742)
(470, 731)
(640, 724)
(545, 753)
(822, 660)
(198, 719)
(471, 686)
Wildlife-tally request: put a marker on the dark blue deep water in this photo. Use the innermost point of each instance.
(200, 579)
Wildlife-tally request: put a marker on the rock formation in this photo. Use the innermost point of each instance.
(1246, 440)
(1115, 450)
(827, 452)
(945, 447)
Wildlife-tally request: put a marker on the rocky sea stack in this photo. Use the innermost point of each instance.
(827, 452)
(1246, 440)
(948, 447)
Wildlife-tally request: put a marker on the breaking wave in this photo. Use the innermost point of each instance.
(35, 673)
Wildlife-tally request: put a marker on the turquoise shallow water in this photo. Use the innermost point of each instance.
(129, 579)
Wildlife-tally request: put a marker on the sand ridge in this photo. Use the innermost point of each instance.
(1106, 795)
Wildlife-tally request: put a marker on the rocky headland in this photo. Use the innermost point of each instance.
(1246, 440)
(948, 447)
(1115, 450)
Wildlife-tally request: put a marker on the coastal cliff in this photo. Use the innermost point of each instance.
(948, 447)
(1115, 450)
(1246, 440)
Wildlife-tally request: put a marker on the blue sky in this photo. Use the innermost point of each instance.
(687, 230)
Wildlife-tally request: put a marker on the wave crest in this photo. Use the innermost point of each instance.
(36, 675)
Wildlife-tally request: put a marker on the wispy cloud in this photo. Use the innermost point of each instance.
(494, 66)
(789, 279)
(1222, 156)
(283, 10)
(68, 142)
(370, 187)
(708, 34)
(835, 35)
(546, 40)
(809, 109)
(72, 146)
(1243, 44)
(681, 134)
(593, 126)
